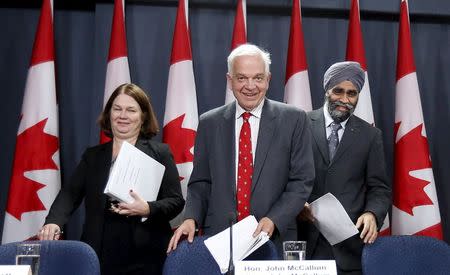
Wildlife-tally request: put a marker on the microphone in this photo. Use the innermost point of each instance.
(231, 220)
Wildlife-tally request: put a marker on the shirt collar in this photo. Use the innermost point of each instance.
(329, 120)
(256, 112)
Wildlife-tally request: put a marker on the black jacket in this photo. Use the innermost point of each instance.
(88, 182)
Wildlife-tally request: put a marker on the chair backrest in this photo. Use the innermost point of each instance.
(191, 258)
(8, 254)
(406, 255)
(194, 258)
(58, 257)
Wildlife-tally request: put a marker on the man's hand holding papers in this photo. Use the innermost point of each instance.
(243, 242)
(331, 219)
(264, 225)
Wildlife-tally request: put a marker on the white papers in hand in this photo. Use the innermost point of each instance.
(331, 219)
(134, 170)
(243, 242)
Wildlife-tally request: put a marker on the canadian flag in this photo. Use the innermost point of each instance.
(117, 70)
(415, 209)
(35, 179)
(356, 52)
(181, 115)
(239, 38)
(297, 91)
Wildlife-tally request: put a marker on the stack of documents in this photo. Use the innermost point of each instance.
(243, 242)
(134, 170)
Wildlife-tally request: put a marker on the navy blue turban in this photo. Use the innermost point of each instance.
(342, 71)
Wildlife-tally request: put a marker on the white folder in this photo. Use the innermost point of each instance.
(134, 170)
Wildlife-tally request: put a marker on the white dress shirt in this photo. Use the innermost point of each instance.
(254, 120)
(329, 120)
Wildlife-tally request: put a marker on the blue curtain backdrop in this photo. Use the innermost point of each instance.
(82, 38)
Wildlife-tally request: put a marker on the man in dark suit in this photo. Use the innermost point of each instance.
(224, 178)
(349, 163)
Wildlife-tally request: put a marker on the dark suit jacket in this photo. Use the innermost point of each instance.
(283, 168)
(356, 177)
(89, 181)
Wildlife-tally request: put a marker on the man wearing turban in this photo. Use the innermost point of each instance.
(349, 163)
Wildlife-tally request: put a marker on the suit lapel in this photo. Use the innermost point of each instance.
(266, 132)
(104, 165)
(142, 144)
(226, 138)
(106, 155)
(319, 133)
(348, 138)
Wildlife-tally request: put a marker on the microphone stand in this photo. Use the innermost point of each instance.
(231, 264)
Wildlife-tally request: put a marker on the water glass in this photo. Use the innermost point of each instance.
(294, 250)
(29, 254)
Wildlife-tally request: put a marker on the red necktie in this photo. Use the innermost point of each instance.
(245, 169)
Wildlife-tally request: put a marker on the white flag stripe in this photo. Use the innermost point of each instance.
(39, 101)
(364, 107)
(185, 170)
(181, 91)
(51, 10)
(117, 73)
(24, 229)
(408, 97)
(229, 96)
(244, 10)
(123, 10)
(386, 223)
(186, 12)
(48, 193)
(297, 91)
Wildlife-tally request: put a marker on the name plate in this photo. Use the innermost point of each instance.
(285, 268)
(15, 270)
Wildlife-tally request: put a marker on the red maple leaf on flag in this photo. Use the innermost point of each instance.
(34, 151)
(411, 153)
(180, 140)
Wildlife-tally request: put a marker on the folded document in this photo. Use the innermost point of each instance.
(134, 170)
(331, 219)
(243, 242)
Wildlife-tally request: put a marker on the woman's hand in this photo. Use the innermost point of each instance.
(138, 207)
(49, 231)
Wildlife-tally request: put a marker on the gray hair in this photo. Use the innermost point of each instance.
(246, 50)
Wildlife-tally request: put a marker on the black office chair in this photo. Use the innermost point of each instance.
(406, 255)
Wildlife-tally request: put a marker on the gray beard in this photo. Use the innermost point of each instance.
(336, 115)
